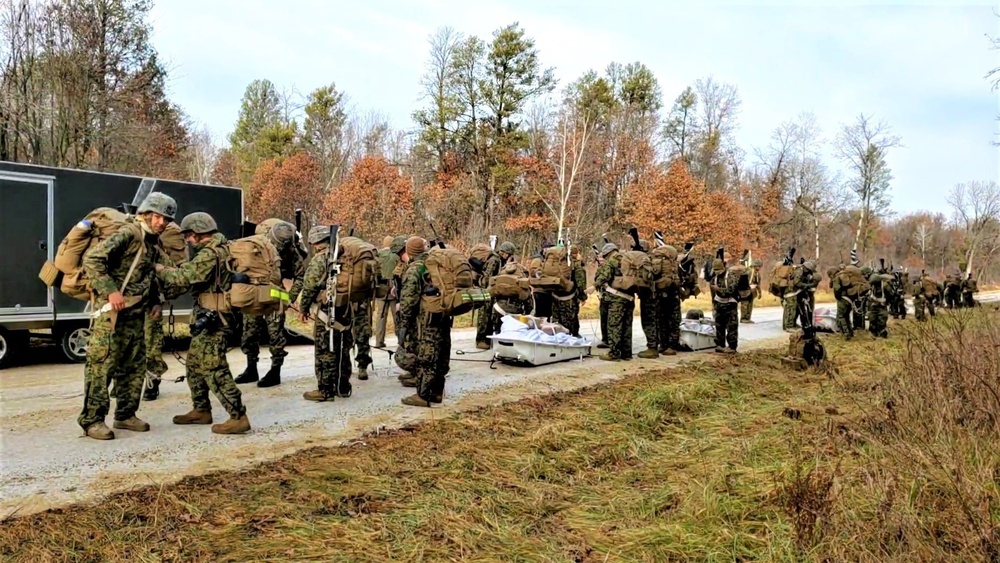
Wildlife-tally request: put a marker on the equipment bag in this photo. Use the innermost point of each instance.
(636, 271)
(481, 252)
(930, 287)
(91, 231)
(666, 274)
(256, 269)
(359, 271)
(555, 273)
(452, 290)
(781, 279)
(173, 245)
(854, 281)
(511, 283)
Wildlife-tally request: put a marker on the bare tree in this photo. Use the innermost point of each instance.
(439, 121)
(202, 155)
(719, 104)
(864, 145)
(923, 235)
(976, 207)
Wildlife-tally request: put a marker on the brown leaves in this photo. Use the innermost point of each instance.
(374, 199)
(281, 185)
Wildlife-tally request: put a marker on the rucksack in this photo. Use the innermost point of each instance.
(91, 231)
(666, 274)
(359, 271)
(852, 280)
(734, 275)
(481, 252)
(781, 279)
(930, 287)
(636, 271)
(452, 276)
(511, 283)
(172, 242)
(555, 272)
(256, 269)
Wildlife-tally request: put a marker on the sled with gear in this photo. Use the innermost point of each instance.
(529, 341)
(697, 332)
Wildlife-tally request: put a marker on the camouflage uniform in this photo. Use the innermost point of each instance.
(566, 307)
(878, 311)
(388, 261)
(153, 335)
(621, 308)
(172, 255)
(485, 322)
(725, 302)
(923, 298)
(790, 304)
(433, 335)
(953, 291)
(668, 321)
(860, 311)
(969, 288)
(332, 364)
(207, 368)
(746, 307)
(805, 285)
(116, 350)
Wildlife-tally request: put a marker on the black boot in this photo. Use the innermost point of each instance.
(152, 392)
(271, 378)
(249, 375)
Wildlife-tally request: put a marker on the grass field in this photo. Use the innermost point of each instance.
(888, 454)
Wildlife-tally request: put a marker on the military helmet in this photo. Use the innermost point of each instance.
(199, 222)
(398, 245)
(809, 265)
(282, 234)
(508, 247)
(758, 263)
(159, 203)
(718, 266)
(644, 244)
(866, 271)
(608, 249)
(318, 234)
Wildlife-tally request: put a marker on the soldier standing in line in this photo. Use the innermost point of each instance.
(485, 321)
(388, 259)
(602, 305)
(647, 316)
(620, 304)
(805, 285)
(172, 244)
(790, 301)
(282, 236)
(566, 305)
(860, 311)
(878, 311)
(845, 306)
(746, 308)
(969, 288)
(926, 293)
(725, 301)
(120, 271)
(509, 305)
(207, 278)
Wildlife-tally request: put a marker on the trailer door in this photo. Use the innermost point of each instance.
(25, 229)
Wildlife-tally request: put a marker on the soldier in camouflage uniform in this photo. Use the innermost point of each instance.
(805, 285)
(725, 303)
(361, 334)
(620, 304)
(953, 290)
(790, 302)
(509, 306)
(969, 288)
(860, 311)
(878, 309)
(746, 307)
(485, 322)
(282, 236)
(926, 294)
(433, 340)
(668, 320)
(566, 305)
(207, 278)
(120, 271)
(333, 363)
(155, 366)
(388, 259)
(602, 307)
(647, 316)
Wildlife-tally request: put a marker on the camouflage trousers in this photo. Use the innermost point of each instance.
(727, 325)
(860, 310)
(333, 364)
(967, 299)
(845, 309)
(804, 309)
(566, 311)
(746, 309)
(433, 358)
(790, 313)
(603, 310)
(668, 320)
(952, 299)
(254, 329)
(920, 304)
(117, 357)
(509, 306)
(647, 319)
(208, 370)
(361, 331)
(154, 345)
(878, 319)
(383, 308)
(619, 332)
(487, 323)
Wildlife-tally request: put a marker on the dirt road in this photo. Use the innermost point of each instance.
(47, 462)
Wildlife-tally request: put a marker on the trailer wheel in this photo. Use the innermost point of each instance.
(73, 343)
(12, 344)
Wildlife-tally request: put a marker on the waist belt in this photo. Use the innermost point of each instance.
(564, 298)
(621, 294)
(724, 299)
(499, 309)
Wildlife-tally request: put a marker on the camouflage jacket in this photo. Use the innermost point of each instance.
(314, 280)
(107, 265)
(607, 272)
(413, 290)
(490, 269)
(205, 273)
(293, 268)
(388, 262)
(725, 288)
(580, 281)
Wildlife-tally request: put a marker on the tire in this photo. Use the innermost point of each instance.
(73, 343)
(13, 343)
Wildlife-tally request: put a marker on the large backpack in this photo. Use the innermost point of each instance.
(636, 271)
(853, 280)
(359, 271)
(256, 269)
(450, 272)
(511, 283)
(555, 272)
(172, 242)
(781, 279)
(666, 274)
(91, 231)
(930, 287)
(480, 253)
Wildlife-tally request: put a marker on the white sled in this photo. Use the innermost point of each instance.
(825, 319)
(520, 344)
(697, 334)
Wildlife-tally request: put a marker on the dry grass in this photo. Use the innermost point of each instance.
(889, 455)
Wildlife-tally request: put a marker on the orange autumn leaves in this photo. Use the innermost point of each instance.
(674, 202)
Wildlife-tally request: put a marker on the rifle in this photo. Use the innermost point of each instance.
(658, 239)
(790, 257)
(298, 235)
(493, 242)
(437, 239)
(746, 259)
(333, 270)
(634, 233)
(685, 262)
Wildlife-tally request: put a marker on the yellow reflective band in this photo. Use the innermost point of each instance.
(278, 294)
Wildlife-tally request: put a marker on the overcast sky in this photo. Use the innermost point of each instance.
(919, 66)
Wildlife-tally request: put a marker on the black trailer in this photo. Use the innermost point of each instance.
(38, 206)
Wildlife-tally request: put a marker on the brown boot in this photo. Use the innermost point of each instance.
(100, 431)
(415, 401)
(409, 381)
(133, 424)
(363, 374)
(649, 353)
(437, 398)
(610, 357)
(194, 417)
(668, 352)
(317, 396)
(232, 426)
(483, 345)
(720, 350)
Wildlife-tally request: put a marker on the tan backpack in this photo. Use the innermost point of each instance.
(636, 271)
(452, 275)
(666, 274)
(854, 281)
(172, 242)
(256, 269)
(511, 283)
(91, 231)
(930, 287)
(481, 252)
(555, 272)
(359, 271)
(781, 279)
